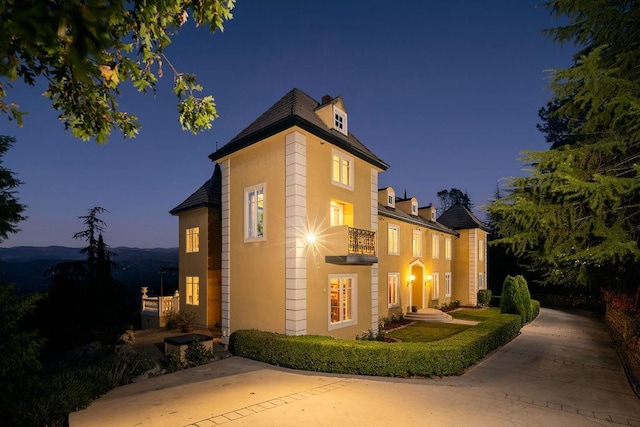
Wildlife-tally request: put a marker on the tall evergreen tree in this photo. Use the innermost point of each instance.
(577, 215)
(10, 209)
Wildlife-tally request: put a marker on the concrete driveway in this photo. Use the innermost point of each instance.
(561, 371)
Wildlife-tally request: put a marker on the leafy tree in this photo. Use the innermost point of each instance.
(85, 49)
(10, 209)
(452, 197)
(577, 215)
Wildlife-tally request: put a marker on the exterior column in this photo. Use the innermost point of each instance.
(295, 223)
(226, 251)
(374, 267)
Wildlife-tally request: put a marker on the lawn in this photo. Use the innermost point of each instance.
(427, 332)
(478, 315)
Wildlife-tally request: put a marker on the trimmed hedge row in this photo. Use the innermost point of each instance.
(325, 354)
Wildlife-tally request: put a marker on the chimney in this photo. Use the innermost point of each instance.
(326, 99)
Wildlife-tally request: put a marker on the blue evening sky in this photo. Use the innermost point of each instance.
(446, 92)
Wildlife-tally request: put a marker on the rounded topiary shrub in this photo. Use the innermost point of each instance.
(525, 297)
(511, 301)
(484, 296)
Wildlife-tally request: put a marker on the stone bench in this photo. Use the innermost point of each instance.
(181, 343)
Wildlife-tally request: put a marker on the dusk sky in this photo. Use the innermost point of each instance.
(445, 92)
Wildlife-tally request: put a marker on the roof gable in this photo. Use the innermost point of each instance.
(459, 217)
(208, 195)
(296, 108)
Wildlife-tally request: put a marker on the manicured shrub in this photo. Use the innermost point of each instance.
(449, 356)
(535, 309)
(525, 296)
(510, 301)
(484, 296)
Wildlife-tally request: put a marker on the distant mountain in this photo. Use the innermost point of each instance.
(25, 266)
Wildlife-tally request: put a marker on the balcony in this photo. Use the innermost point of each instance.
(154, 310)
(352, 246)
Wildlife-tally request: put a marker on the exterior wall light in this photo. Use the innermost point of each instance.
(411, 279)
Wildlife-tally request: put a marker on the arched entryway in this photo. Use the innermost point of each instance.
(416, 277)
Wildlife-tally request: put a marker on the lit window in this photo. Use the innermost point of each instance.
(417, 243)
(342, 300)
(481, 250)
(447, 248)
(435, 290)
(393, 289)
(447, 284)
(340, 120)
(193, 239)
(342, 170)
(254, 202)
(435, 246)
(481, 283)
(193, 290)
(393, 239)
(336, 213)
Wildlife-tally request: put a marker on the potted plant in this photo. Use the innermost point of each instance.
(172, 319)
(186, 319)
(414, 308)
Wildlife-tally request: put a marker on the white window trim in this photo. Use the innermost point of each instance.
(435, 246)
(247, 190)
(482, 284)
(391, 198)
(339, 112)
(192, 235)
(481, 250)
(435, 285)
(342, 156)
(448, 248)
(414, 208)
(338, 208)
(397, 289)
(448, 284)
(354, 301)
(417, 253)
(397, 228)
(189, 288)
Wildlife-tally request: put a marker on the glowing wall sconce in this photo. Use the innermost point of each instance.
(411, 279)
(310, 238)
(428, 279)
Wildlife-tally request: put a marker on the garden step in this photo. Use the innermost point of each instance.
(429, 315)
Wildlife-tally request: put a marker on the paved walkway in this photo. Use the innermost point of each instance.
(561, 371)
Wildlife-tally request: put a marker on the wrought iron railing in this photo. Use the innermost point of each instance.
(362, 242)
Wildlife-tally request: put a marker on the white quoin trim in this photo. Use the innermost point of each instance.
(226, 253)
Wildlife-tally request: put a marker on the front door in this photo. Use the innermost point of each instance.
(417, 288)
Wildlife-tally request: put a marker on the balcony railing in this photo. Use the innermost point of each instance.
(159, 306)
(362, 242)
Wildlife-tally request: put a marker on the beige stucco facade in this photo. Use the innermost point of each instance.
(298, 243)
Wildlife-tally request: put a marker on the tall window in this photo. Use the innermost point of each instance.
(481, 283)
(481, 250)
(447, 284)
(393, 239)
(435, 246)
(342, 300)
(435, 290)
(254, 202)
(447, 248)
(393, 289)
(417, 243)
(342, 170)
(193, 290)
(193, 239)
(336, 213)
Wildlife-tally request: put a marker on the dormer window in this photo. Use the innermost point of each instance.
(340, 120)
(391, 198)
(433, 214)
(414, 207)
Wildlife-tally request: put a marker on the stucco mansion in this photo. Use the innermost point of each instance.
(293, 235)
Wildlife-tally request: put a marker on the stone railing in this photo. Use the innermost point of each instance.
(160, 305)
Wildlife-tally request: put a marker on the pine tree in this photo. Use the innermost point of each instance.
(577, 215)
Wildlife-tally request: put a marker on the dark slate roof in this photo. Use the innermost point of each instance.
(401, 215)
(459, 217)
(209, 195)
(296, 108)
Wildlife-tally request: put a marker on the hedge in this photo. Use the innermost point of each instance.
(449, 356)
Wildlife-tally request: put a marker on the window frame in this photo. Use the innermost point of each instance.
(192, 240)
(190, 286)
(341, 176)
(435, 285)
(340, 120)
(416, 253)
(248, 235)
(481, 250)
(447, 284)
(396, 249)
(435, 246)
(393, 290)
(353, 300)
(482, 284)
(448, 248)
